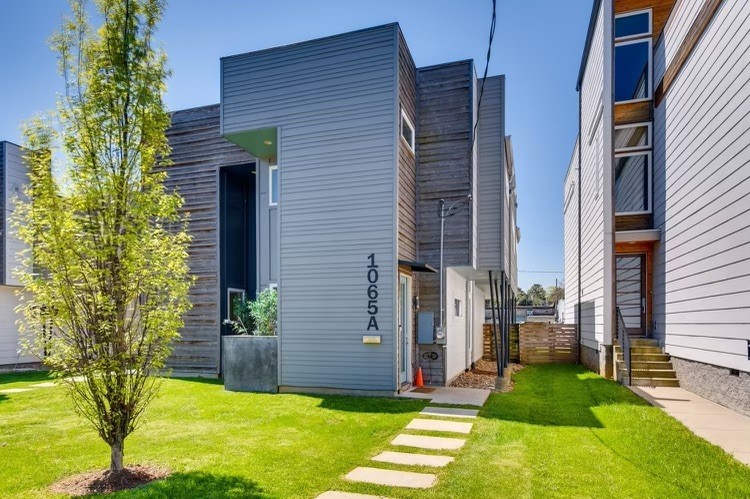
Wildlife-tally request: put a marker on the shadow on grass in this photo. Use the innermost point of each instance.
(558, 395)
(24, 377)
(369, 404)
(196, 484)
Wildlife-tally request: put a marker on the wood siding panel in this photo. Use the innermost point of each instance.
(634, 112)
(198, 152)
(634, 222)
(492, 193)
(335, 102)
(407, 160)
(445, 103)
(702, 197)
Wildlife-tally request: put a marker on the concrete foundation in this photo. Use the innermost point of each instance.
(715, 383)
(600, 361)
(250, 363)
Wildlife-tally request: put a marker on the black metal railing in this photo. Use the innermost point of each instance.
(623, 338)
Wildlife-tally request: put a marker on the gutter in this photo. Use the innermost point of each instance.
(587, 47)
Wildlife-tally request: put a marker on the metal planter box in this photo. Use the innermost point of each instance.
(250, 363)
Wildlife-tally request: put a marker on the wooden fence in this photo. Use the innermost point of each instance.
(548, 343)
(489, 352)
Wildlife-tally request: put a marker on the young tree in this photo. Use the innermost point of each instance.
(555, 294)
(537, 295)
(108, 244)
(523, 298)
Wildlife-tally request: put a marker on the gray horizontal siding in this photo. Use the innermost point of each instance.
(493, 247)
(198, 152)
(335, 103)
(3, 219)
(702, 196)
(570, 242)
(14, 179)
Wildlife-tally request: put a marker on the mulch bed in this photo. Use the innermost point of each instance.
(105, 481)
(482, 376)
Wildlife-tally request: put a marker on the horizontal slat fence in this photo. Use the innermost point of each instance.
(548, 343)
(489, 352)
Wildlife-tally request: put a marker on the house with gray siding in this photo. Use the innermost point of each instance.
(657, 196)
(12, 178)
(320, 173)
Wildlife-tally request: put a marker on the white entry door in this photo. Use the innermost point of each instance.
(404, 329)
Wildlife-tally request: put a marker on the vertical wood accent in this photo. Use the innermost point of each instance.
(407, 160)
(634, 222)
(688, 45)
(634, 112)
(660, 11)
(645, 248)
(198, 151)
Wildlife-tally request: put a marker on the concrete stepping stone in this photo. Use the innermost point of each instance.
(449, 412)
(332, 494)
(437, 425)
(432, 443)
(392, 478)
(409, 459)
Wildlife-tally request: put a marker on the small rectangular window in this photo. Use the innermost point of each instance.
(633, 71)
(633, 24)
(407, 130)
(632, 137)
(273, 185)
(234, 298)
(633, 183)
(458, 307)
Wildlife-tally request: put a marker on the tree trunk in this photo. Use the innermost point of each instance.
(115, 463)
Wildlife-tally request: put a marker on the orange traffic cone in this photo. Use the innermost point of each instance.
(419, 382)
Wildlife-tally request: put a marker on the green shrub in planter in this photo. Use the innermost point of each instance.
(263, 311)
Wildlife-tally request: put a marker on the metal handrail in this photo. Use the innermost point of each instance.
(623, 338)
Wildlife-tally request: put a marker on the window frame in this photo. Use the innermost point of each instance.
(458, 306)
(633, 41)
(411, 143)
(635, 13)
(649, 177)
(649, 135)
(271, 169)
(231, 290)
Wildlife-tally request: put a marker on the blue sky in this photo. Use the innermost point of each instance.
(537, 46)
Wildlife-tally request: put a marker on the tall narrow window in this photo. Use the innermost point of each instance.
(633, 183)
(273, 185)
(407, 130)
(633, 57)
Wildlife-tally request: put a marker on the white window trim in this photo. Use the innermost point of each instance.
(229, 299)
(650, 77)
(649, 135)
(272, 168)
(404, 117)
(460, 310)
(636, 13)
(650, 189)
(273, 285)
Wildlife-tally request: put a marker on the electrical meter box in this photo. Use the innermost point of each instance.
(426, 328)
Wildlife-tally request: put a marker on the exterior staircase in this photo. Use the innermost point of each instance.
(650, 365)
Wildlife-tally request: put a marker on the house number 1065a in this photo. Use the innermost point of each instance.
(372, 293)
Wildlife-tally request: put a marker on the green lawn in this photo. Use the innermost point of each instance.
(563, 432)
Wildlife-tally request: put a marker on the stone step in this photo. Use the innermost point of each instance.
(432, 443)
(334, 494)
(650, 373)
(449, 412)
(410, 459)
(640, 342)
(672, 382)
(392, 478)
(646, 357)
(437, 425)
(647, 365)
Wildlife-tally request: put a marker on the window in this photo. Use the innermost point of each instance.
(632, 137)
(234, 298)
(633, 24)
(458, 308)
(407, 130)
(633, 71)
(633, 183)
(273, 185)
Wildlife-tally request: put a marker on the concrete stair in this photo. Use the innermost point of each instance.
(650, 365)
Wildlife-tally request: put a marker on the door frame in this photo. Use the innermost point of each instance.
(645, 302)
(404, 332)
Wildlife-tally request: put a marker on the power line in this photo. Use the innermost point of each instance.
(484, 78)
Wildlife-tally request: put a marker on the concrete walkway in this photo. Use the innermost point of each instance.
(709, 420)
(450, 395)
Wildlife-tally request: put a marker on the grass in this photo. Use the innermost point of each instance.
(563, 432)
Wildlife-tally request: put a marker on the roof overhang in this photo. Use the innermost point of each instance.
(637, 236)
(260, 143)
(417, 266)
